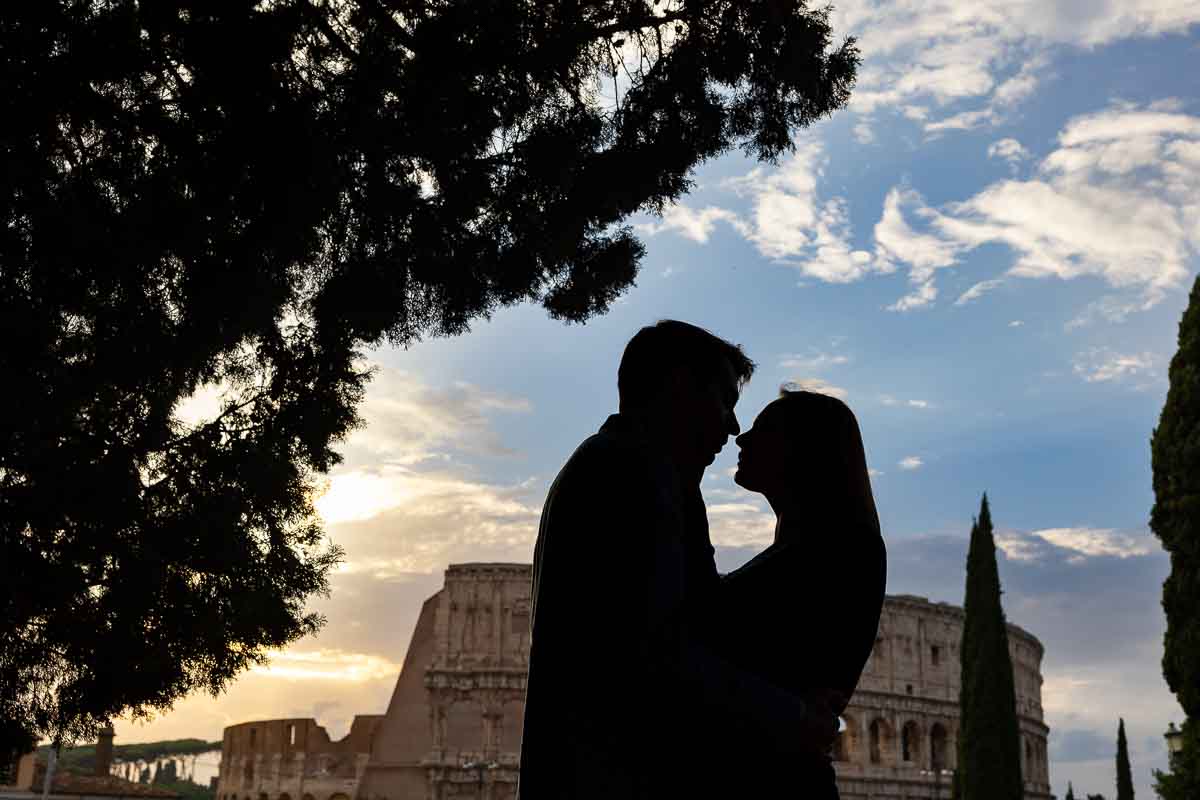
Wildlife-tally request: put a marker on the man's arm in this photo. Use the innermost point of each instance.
(741, 705)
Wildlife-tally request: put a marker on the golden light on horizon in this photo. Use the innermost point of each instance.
(360, 495)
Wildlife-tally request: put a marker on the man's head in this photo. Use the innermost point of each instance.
(685, 382)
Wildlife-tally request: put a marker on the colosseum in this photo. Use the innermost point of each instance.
(453, 727)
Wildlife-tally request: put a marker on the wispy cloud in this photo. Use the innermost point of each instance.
(1087, 542)
(1009, 149)
(817, 385)
(954, 66)
(1103, 365)
(421, 521)
(977, 291)
(814, 361)
(911, 463)
(1115, 200)
(694, 224)
(327, 665)
(407, 421)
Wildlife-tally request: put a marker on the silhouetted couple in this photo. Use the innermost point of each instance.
(651, 675)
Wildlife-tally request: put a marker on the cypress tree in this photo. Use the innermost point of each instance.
(1175, 520)
(989, 748)
(1124, 774)
(1070, 792)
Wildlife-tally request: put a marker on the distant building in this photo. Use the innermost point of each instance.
(30, 780)
(453, 727)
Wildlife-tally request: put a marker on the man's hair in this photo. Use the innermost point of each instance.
(657, 349)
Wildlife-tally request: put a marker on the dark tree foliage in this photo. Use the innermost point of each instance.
(989, 747)
(1070, 792)
(245, 195)
(1175, 518)
(1124, 773)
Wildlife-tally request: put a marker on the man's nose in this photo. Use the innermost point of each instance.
(734, 428)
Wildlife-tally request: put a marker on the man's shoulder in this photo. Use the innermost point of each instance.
(608, 448)
(609, 465)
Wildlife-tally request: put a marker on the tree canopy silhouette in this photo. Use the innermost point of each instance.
(245, 195)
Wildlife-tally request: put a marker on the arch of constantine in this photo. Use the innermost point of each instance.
(453, 727)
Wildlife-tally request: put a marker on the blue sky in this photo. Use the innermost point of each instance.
(986, 255)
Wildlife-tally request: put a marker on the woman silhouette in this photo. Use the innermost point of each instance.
(804, 612)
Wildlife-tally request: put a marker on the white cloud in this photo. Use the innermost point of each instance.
(911, 463)
(896, 241)
(991, 54)
(919, 403)
(413, 521)
(696, 225)
(1017, 547)
(789, 223)
(744, 524)
(408, 421)
(1016, 323)
(1102, 365)
(1116, 200)
(817, 385)
(920, 297)
(1090, 542)
(814, 362)
(326, 665)
(1010, 150)
(977, 291)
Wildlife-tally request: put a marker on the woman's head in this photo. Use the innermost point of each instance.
(806, 448)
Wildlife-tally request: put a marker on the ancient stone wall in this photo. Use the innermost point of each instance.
(476, 681)
(293, 759)
(901, 727)
(452, 729)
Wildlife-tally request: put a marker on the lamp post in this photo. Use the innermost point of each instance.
(1174, 738)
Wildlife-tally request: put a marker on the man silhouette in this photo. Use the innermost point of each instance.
(624, 700)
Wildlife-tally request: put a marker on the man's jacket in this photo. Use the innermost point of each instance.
(623, 701)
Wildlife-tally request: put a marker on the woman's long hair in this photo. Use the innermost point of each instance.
(832, 438)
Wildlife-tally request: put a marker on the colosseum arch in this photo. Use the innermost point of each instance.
(879, 741)
(910, 743)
